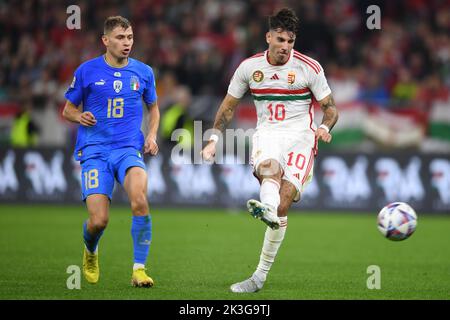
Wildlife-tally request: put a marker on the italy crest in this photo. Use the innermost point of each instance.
(134, 83)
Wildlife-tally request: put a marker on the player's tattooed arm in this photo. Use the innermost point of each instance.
(225, 113)
(330, 117)
(330, 113)
(223, 119)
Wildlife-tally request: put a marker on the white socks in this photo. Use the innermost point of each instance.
(95, 252)
(270, 193)
(272, 242)
(138, 266)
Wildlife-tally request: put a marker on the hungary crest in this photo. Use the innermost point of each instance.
(258, 76)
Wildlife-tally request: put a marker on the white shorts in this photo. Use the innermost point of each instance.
(295, 152)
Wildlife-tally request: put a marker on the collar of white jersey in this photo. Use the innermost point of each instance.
(266, 54)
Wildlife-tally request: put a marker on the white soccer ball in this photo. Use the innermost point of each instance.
(397, 221)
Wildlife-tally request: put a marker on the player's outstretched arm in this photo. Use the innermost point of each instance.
(72, 113)
(223, 118)
(330, 117)
(225, 113)
(153, 123)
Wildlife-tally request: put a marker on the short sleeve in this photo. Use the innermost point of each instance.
(319, 85)
(75, 91)
(239, 82)
(149, 94)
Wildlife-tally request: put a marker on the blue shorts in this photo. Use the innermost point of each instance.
(99, 171)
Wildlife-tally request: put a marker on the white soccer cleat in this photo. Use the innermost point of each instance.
(247, 286)
(263, 212)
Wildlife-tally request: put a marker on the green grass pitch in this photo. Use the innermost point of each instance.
(198, 254)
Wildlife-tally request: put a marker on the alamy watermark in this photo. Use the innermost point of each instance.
(74, 280)
(374, 20)
(374, 280)
(234, 141)
(73, 21)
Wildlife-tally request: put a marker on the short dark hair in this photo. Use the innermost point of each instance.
(114, 21)
(286, 19)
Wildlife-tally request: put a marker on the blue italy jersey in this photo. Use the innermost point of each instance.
(114, 96)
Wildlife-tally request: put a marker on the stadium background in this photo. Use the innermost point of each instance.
(392, 141)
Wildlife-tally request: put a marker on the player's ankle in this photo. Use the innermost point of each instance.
(91, 252)
(260, 277)
(137, 266)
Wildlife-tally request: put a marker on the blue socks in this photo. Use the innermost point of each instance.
(91, 241)
(141, 232)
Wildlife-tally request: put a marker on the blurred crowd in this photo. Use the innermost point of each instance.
(195, 46)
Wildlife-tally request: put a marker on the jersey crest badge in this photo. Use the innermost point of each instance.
(258, 76)
(134, 83)
(291, 77)
(117, 85)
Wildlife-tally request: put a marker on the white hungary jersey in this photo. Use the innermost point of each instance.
(282, 94)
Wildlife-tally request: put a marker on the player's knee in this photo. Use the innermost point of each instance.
(99, 223)
(269, 169)
(139, 204)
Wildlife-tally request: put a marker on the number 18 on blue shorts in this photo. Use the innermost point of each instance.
(99, 171)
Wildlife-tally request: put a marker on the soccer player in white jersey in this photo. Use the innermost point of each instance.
(283, 83)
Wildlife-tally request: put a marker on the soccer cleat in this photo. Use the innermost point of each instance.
(263, 212)
(247, 286)
(141, 279)
(91, 269)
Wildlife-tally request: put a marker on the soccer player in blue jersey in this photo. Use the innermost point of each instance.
(105, 98)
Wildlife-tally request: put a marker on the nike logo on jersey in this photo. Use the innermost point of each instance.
(275, 77)
(100, 83)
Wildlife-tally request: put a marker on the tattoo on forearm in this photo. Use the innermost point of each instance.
(223, 118)
(330, 114)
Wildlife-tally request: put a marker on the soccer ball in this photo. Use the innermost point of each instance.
(397, 221)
